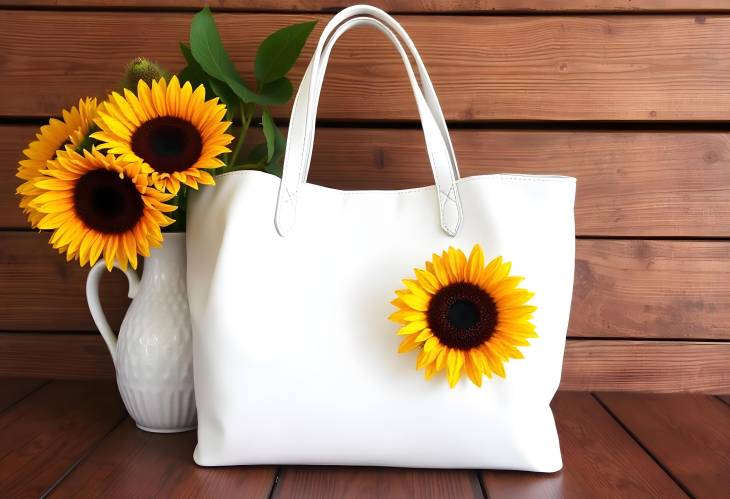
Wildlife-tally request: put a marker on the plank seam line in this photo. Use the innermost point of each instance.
(274, 482)
(578, 237)
(42, 385)
(75, 334)
(721, 341)
(638, 441)
(621, 126)
(724, 401)
(82, 458)
(483, 484)
(688, 239)
(333, 10)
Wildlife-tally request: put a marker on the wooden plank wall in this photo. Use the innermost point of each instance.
(630, 97)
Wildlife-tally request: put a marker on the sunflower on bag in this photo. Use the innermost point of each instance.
(109, 178)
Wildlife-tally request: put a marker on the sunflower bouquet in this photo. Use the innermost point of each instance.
(109, 178)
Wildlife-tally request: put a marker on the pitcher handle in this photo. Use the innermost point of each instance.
(97, 313)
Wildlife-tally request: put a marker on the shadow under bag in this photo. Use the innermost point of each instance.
(421, 327)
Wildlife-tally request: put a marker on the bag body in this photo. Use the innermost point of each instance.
(290, 287)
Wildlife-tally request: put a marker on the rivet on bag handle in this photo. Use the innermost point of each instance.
(97, 313)
(301, 131)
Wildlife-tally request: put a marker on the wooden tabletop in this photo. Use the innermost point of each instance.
(74, 439)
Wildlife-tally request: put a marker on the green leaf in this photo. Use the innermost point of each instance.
(195, 74)
(207, 48)
(267, 123)
(276, 92)
(274, 166)
(192, 72)
(279, 51)
(258, 154)
(224, 93)
(188, 55)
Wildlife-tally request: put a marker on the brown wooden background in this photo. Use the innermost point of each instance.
(630, 97)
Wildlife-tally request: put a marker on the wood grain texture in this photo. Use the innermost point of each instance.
(646, 366)
(40, 291)
(445, 6)
(651, 289)
(629, 183)
(661, 366)
(14, 389)
(689, 435)
(623, 289)
(54, 356)
(484, 68)
(46, 433)
(324, 482)
(130, 461)
(599, 460)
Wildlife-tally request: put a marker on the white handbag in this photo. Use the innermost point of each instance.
(291, 284)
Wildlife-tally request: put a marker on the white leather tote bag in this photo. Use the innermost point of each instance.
(379, 327)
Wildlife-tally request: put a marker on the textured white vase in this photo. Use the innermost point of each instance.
(153, 354)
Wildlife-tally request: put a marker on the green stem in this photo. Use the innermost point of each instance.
(246, 118)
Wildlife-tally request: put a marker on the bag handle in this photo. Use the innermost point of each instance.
(302, 124)
(432, 105)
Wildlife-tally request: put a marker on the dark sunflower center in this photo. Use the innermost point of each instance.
(168, 144)
(462, 315)
(107, 203)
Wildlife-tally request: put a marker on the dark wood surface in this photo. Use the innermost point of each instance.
(70, 439)
(129, 462)
(13, 390)
(617, 466)
(375, 483)
(45, 434)
(501, 68)
(698, 453)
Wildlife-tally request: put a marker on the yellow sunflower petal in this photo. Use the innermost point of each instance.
(430, 371)
(427, 280)
(408, 344)
(514, 299)
(432, 343)
(475, 265)
(415, 302)
(424, 335)
(454, 363)
(406, 316)
(437, 268)
(472, 371)
(412, 327)
(415, 288)
(457, 262)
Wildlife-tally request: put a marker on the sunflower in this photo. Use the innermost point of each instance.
(70, 130)
(100, 204)
(173, 130)
(463, 315)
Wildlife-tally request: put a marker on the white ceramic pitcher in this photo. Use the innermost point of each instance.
(153, 353)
